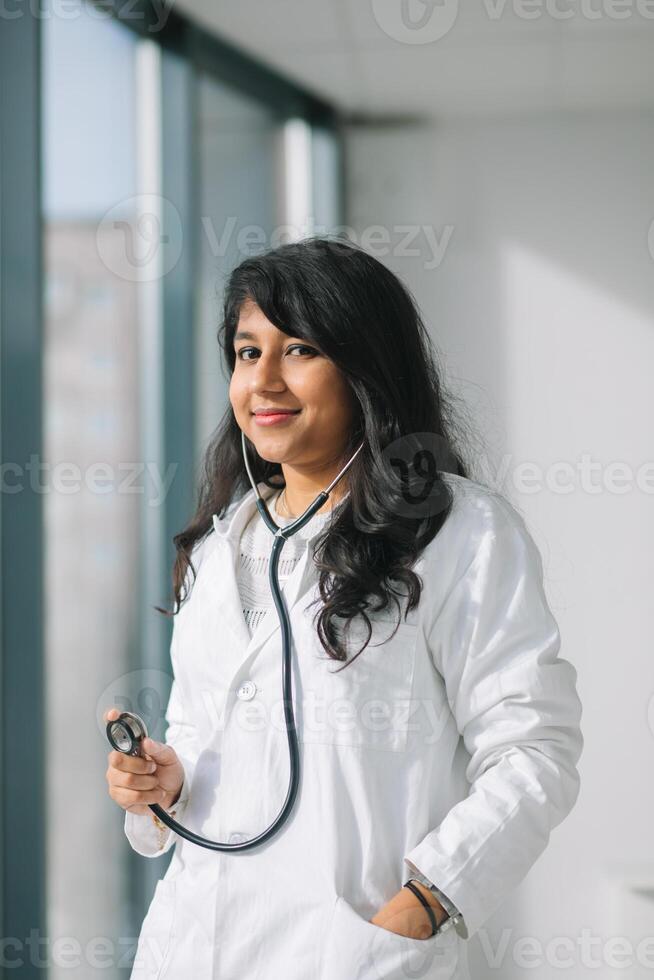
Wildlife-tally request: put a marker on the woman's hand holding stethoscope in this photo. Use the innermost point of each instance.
(135, 781)
(405, 915)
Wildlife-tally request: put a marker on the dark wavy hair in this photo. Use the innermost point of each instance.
(366, 321)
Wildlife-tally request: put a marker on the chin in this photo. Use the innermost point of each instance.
(269, 450)
(270, 457)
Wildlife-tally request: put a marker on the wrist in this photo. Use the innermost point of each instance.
(440, 913)
(169, 801)
(172, 798)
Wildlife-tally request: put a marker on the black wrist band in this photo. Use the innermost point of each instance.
(430, 912)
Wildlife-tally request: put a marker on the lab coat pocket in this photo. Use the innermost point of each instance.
(367, 702)
(359, 950)
(154, 944)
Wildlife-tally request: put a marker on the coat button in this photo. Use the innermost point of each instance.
(246, 691)
(237, 838)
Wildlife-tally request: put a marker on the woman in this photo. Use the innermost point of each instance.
(438, 727)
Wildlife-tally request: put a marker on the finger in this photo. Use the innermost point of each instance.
(163, 754)
(111, 714)
(131, 797)
(133, 781)
(130, 763)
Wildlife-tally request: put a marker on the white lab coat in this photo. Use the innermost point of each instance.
(451, 747)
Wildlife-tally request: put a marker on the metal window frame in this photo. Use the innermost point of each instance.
(224, 61)
(22, 706)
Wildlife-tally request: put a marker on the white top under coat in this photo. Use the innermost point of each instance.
(254, 560)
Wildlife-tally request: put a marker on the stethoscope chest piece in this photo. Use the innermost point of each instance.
(126, 732)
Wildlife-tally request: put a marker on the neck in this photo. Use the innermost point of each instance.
(300, 491)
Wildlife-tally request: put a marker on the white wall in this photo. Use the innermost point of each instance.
(542, 304)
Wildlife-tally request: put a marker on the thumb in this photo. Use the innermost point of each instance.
(161, 753)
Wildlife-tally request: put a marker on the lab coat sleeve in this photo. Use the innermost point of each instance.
(141, 831)
(495, 642)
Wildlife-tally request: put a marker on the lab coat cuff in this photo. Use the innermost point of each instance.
(461, 892)
(453, 912)
(142, 832)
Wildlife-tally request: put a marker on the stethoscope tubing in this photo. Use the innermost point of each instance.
(280, 536)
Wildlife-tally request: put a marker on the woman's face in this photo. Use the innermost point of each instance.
(273, 370)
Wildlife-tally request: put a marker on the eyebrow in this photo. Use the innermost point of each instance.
(246, 335)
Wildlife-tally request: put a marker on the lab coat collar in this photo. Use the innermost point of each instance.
(230, 527)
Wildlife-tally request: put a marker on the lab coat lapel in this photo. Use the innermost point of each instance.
(241, 646)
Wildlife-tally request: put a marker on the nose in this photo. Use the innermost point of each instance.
(267, 374)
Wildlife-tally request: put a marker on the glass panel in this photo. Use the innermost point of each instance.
(240, 195)
(326, 182)
(91, 435)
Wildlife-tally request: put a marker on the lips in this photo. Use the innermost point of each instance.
(276, 411)
(274, 416)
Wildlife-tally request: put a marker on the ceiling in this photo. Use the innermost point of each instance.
(449, 58)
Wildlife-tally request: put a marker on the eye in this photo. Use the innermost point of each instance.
(300, 347)
(242, 351)
(303, 347)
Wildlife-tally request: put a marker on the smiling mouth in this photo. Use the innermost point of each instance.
(273, 418)
(274, 412)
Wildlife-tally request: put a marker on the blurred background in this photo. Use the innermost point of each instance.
(499, 156)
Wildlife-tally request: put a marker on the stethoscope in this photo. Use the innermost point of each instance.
(127, 732)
